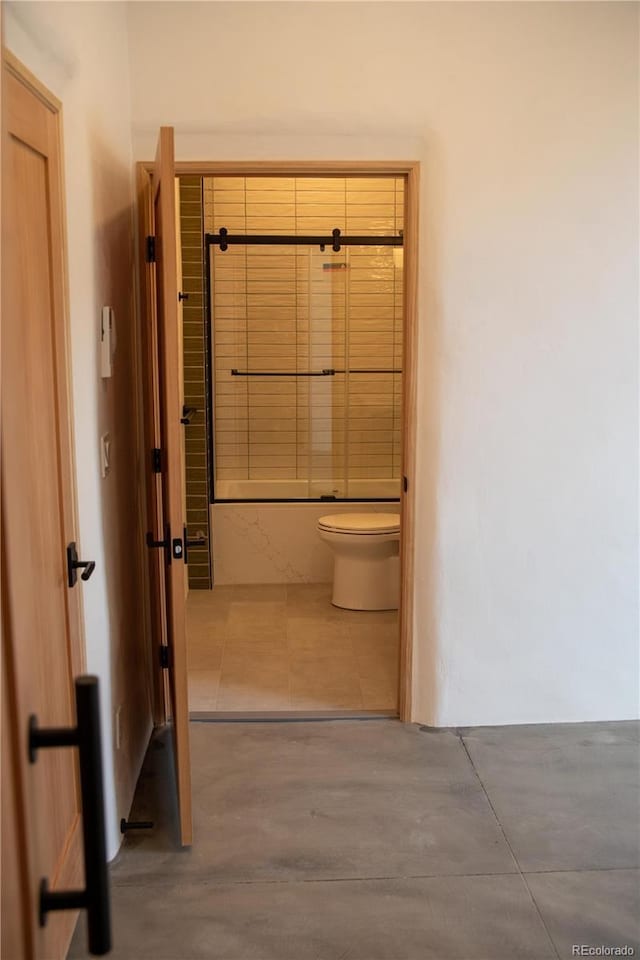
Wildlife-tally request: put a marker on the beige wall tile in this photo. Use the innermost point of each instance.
(263, 312)
(230, 473)
(230, 462)
(320, 197)
(320, 225)
(372, 313)
(370, 226)
(271, 473)
(270, 184)
(269, 256)
(376, 184)
(265, 210)
(368, 284)
(373, 197)
(371, 298)
(377, 211)
(222, 210)
(320, 184)
(224, 183)
(310, 210)
(267, 225)
(227, 196)
(280, 294)
(282, 412)
(237, 448)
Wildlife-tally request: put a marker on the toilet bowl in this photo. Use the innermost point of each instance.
(366, 559)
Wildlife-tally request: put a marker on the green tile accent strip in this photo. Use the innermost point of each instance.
(191, 235)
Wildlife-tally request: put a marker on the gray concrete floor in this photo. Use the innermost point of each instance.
(371, 840)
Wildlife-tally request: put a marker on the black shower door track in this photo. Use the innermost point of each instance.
(224, 239)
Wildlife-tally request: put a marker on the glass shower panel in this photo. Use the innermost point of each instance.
(228, 299)
(271, 349)
(398, 361)
(255, 350)
(374, 294)
(326, 318)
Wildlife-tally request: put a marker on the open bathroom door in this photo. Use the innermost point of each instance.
(166, 541)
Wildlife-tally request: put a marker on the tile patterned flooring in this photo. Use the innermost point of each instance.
(264, 648)
(376, 840)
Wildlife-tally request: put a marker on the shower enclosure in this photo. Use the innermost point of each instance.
(305, 318)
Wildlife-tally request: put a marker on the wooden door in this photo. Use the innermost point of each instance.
(163, 389)
(185, 410)
(42, 643)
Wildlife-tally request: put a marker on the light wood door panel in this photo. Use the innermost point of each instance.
(183, 455)
(42, 645)
(162, 312)
(151, 406)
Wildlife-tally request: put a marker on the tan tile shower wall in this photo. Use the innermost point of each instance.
(298, 309)
(191, 238)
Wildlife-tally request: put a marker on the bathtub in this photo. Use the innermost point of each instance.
(239, 490)
(266, 541)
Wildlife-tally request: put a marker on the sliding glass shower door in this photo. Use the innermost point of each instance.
(324, 307)
(306, 357)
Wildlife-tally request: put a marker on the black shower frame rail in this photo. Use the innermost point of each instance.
(327, 372)
(224, 239)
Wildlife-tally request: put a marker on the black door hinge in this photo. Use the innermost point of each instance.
(74, 564)
(405, 484)
(151, 250)
(165, 655)
(156, 460)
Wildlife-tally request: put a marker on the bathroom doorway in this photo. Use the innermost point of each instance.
(297, 370)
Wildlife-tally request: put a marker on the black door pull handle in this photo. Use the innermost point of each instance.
(86, 737)
(156, 543)
(163, 544)
(88, 569)
(74, 564)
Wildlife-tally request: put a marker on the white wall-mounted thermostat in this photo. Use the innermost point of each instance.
(107, 341)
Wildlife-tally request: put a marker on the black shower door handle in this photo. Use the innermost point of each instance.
(86, 737)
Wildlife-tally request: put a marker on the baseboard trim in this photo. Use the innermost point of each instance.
(288, 716)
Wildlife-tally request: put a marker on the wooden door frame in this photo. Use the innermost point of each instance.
(409, 170)
(14, 739)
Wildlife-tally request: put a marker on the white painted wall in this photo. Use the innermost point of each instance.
(79, 51)
(525, 118)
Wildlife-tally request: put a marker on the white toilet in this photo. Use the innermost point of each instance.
(366, 554)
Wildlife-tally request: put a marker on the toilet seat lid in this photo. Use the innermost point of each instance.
(361, 522)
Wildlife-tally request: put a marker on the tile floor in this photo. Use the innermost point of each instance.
(374, 840)
(264, 648)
